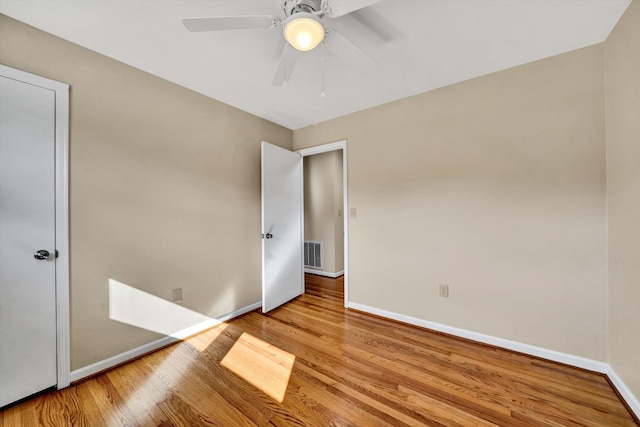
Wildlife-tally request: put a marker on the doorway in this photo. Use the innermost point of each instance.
(341, 148)
(34, 285)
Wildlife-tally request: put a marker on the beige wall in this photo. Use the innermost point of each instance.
(623, 195)
(323, 221)
(495, 186)
(164, 191)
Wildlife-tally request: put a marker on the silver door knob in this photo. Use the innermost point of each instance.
(41, 254)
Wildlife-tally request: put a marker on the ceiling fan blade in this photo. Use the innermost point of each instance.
(287, 63)
(336, 8)
(368, 27)
(349, 52)
(224, 23)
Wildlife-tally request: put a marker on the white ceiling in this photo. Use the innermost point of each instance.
(419, 45)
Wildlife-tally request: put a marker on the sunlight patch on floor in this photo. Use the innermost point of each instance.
(261, 364)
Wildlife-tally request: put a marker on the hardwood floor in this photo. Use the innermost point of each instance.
(329, 366)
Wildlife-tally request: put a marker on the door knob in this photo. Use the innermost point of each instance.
(41, 254)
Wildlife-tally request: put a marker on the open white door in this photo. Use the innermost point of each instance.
(282, 230)
(27, 240)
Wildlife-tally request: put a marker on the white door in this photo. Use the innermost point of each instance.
(27, 240)
(282, 204)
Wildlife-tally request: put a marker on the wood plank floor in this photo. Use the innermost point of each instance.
(313, 363)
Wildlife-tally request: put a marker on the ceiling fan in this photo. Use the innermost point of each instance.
(304, 27)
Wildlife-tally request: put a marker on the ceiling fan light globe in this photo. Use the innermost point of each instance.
(303, 31)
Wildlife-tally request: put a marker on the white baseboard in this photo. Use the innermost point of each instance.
(624, 391)
(118, 359)
(556, 356)
(324, 273)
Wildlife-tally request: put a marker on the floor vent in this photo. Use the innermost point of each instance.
(313, 254)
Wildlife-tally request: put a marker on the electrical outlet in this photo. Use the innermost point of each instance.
(444, 290)
(177, 295)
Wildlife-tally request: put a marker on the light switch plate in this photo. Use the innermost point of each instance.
(444, 290)
(177, 295)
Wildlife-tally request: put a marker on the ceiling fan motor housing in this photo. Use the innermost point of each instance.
(291, 7)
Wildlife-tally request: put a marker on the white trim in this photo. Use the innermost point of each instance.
(301, 224)
(324, 148)
(324, 273)
(556, 356)
(263, 274)
(624, 391)
(62, 234)
(345, 209)
(333, 146)
(134, 353)
(61, 91)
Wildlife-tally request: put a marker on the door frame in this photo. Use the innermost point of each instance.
(325, 148)
(61, 160)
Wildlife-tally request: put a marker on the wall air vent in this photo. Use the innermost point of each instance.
(313, 254)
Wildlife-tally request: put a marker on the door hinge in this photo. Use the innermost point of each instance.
(56, 253)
